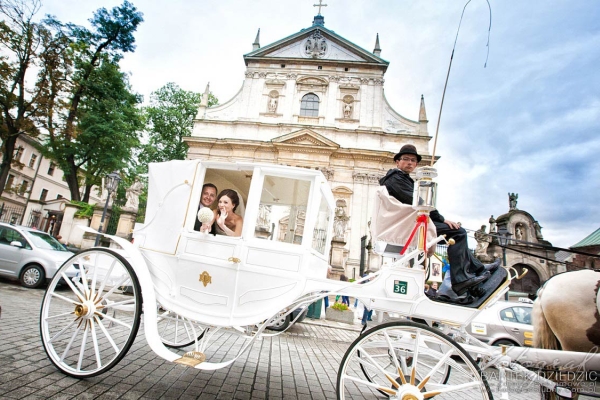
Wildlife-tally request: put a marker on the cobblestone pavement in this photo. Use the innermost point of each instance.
(300, 364)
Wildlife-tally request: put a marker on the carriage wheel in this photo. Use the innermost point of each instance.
(405, 360)
(176, 331)
(88, 326)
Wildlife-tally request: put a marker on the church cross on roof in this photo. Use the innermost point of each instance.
(319, 19)
(320, 5)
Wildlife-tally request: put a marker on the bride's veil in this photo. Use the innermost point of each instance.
(241, 208)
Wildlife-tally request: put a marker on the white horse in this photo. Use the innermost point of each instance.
(565, 315)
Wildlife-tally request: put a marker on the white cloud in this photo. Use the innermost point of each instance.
(527, 123)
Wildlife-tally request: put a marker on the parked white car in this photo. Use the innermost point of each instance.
(30, 255)
(506, 323)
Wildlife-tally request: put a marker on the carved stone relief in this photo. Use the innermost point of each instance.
(359, 177)
(395, 126)
(373, 179)
(328, 172)
(315, 45)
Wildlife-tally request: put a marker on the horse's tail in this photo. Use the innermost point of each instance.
(543, 337)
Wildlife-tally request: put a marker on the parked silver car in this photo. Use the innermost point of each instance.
(506, 323)
(30, 255)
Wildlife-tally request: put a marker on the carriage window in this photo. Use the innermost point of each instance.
(320, 232)
(216, 181)
(282, 209)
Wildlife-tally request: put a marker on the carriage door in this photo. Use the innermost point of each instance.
(277, 226)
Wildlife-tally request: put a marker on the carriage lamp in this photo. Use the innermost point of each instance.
(424, 197)
(112, 183)
(503, 239)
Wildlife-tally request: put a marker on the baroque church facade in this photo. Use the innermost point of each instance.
(316, 100)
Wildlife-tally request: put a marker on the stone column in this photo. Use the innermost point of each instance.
(337, 258)
(126, 223)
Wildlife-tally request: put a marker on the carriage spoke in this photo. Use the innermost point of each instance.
(65, 298)
(116, 321)
(95, 341)
(115, 286)
(62, 331)
(101, 289)
(82, 349)
(106, 334)
(73, 288)
(392, 380)
(68, 347)
(58, 315)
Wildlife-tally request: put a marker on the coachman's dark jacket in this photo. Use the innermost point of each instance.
(400, 185)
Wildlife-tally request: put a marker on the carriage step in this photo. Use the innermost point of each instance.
(191, 358)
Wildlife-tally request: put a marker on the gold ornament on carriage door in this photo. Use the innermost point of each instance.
(205, 278)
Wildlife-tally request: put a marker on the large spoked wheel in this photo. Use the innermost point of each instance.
(88, 326)
(176, 331)
(406, 360)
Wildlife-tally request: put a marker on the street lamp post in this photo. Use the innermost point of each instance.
(112, 183)
(504, 238)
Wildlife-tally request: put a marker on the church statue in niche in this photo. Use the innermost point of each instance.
(519, 231)
(273, 101)
(340, 220)
(348, 106)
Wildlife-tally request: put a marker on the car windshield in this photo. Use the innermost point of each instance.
(44, 241)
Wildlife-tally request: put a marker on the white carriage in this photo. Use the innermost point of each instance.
(193, 285)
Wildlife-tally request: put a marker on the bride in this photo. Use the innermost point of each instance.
(227, 221)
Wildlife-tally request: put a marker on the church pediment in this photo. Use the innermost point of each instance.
(305, 137)
(317, 43)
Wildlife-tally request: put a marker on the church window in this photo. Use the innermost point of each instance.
(346, 69)
(282, 65)
(319, 67)
(309, 107)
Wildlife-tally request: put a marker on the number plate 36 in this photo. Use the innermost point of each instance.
(400, 287)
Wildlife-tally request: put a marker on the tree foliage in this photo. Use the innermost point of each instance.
(89, 110)
(169, 118)
(21, 43)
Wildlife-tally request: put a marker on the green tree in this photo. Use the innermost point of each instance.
(84, 93)
(110, 123)
(169, 118)
(21, 42)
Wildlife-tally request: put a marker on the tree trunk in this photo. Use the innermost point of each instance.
(71, 178)
(86, 193)
(8, 151)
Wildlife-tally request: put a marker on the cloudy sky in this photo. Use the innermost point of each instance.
(528, 123)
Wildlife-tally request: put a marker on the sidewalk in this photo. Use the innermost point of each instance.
(356, 326)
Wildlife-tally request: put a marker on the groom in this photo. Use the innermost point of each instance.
(208, 196)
